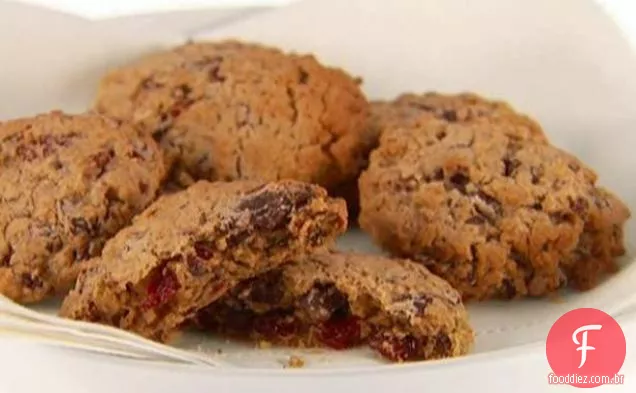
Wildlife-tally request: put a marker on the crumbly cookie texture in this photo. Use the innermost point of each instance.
(417, 110)
(340, 300)
(67, 184)
(496, 216)
(189, 248)
(230, 110)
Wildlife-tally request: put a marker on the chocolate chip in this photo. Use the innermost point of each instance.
(537, 206)
(56, 164)
(508, 290)
(578, 205)
(102, 160)
(558, 218)
(266, 289)
(213, 66)
(140, 151)
(324, 302)
(438, 174)
(5, 261)
(443, 344)
(449, 115)
(182, 92)
(536, 173)
(510, 166)
(303, 76)
(269, 209)
(31, 282)
(459, 181)
(440, 135)
(26, 153)
(204, 249)
(196, 265)
(520, 259)
(421, 303)
(237, 237)
(54, 244)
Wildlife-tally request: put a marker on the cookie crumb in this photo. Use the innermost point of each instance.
(556, 298)
(219, 351)
(264, 344)
(295, 362)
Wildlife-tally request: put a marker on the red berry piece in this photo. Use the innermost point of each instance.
(161, 289)
(397, 349)
(340, 333)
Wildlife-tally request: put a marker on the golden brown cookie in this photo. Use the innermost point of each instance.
(229, 110)
(67, 184)
(496, 216)
(188, 248)
(417, 110)
(340, 300)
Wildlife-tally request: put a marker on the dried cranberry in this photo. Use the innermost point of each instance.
(340, 333)
(204, 250)
(276, 326)
(161, 289)
(397, 349)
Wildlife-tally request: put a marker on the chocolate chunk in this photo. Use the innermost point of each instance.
(204, 249)
(269, 209)
(303, 76)
(267, 289)
(196, 265)
(443, 345)
(323, 302)
(5, 261)
(459, 181)
(421, 303)
(510, 166)
(31, 282)
(449, 115)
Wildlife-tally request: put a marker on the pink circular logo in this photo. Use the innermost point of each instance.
(585, 348)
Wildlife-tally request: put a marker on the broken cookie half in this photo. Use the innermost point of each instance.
(189, 248)
(342, 300)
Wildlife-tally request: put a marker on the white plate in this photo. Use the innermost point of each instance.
(563, 62)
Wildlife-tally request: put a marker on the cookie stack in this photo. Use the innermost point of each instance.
(202, 190)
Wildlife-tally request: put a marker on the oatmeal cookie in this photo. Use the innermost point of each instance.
(494, 215)
(67, 184)
(417, 110)
(340, 300)
(230, 110)
(190, 247)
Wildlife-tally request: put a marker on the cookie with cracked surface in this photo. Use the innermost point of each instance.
(229, 110)
(341, 300)
(67, 184)
(416, 110)
(189, 248)
(411, 110)
(498, 216)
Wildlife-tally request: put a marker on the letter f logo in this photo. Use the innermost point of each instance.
(583, 344)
